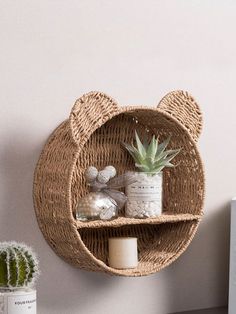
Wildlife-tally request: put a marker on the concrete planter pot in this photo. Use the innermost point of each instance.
(144, 195)
(22, 301)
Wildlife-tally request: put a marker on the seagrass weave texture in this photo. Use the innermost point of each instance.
(93, 136)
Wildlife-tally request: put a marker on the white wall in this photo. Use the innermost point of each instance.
(51, 52)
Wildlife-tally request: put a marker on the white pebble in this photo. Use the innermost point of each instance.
(103, 176)
(111, 170)
(91, 174)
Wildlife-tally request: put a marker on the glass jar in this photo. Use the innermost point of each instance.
(96, 205)
(144, 195)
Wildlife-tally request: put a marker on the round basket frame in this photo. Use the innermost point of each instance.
(92, 136)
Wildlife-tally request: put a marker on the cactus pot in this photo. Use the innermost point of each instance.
(144, 195)
(18, 301)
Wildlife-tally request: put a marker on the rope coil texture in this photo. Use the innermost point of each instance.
(92, 136)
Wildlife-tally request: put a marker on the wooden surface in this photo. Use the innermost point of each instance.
(219, 310)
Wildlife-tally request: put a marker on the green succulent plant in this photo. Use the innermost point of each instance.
(151, 157)
(18, 266)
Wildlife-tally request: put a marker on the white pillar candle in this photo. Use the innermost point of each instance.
(123, 253)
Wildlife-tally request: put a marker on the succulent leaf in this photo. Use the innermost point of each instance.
(163, 146)
(169, 164)
(143, 168)
(152, 148)
(140, 147)
(145, 142)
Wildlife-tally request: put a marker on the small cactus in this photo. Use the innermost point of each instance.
(18, 266)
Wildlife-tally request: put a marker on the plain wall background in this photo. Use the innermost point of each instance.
(51, 52)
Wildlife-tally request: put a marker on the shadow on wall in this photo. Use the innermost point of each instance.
(17, 161)
(204, 264)
(61, 286)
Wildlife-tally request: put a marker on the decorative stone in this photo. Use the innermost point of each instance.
(103, 176)
(111, 170)
(91, 174)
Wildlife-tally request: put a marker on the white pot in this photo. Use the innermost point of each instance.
(144, 195)
(18, 302)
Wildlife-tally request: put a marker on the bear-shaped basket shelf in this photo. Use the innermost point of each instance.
(92, 136)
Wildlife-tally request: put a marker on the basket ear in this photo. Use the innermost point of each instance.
(88, 113)
(182, 106)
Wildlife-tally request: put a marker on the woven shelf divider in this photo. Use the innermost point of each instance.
(92, 136)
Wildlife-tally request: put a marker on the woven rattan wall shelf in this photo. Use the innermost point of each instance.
(92, 136)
